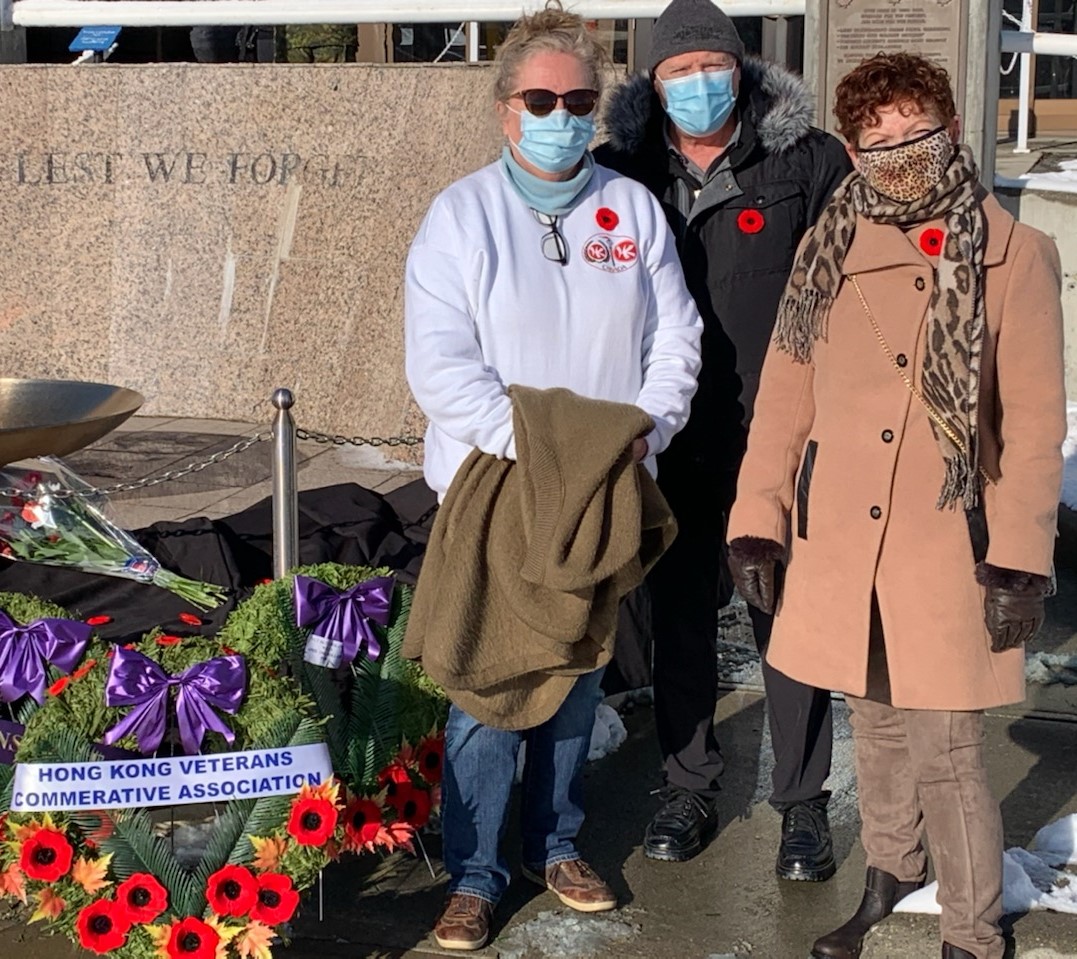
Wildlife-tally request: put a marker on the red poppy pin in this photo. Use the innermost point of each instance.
(607, 219)
(750, 221)
(931, 241)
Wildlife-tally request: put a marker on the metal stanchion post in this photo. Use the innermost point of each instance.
(285, 486)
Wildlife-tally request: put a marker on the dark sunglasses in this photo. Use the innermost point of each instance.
(542, 103)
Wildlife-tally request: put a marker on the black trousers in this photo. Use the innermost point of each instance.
(688, 587)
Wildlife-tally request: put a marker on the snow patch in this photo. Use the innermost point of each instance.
(557, 935)
(1030, 880)
(1069, 447)
(1045, 669)
(607, 736)
(609, 733)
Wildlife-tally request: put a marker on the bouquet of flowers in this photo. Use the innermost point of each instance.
(49, 515)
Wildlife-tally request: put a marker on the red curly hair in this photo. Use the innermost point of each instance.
(901, 78)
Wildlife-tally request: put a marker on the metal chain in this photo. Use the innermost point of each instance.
(240, 446)
(931, 411)
(337, 440)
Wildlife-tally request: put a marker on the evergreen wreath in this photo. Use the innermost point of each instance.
(110, 881)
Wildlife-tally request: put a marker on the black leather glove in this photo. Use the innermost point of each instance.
(756, 566)
(1013, 605)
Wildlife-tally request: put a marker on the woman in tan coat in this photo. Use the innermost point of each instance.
(898, 500)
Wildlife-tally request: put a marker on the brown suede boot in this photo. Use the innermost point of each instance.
(881, 893)
(464, 923)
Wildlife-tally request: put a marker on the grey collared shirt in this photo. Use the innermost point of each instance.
(716, 186)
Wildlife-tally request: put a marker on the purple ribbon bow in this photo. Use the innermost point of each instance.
(345, 617)
(27, 651)
(136, 680)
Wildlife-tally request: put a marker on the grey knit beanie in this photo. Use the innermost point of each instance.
(687, 25)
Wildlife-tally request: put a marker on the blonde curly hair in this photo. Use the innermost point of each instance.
(552, 29)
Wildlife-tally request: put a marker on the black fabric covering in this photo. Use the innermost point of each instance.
(343, 524)
(339, 524)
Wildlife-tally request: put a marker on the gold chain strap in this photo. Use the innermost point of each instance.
(931, 411)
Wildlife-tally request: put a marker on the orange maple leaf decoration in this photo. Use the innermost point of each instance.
(397, 835)
(13, 883)
(90, 873)
(329, 791)
(49, 905)
(267, 852)
(160, 935)
(255, 942)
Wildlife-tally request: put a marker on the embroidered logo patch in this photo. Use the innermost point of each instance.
(612, 254)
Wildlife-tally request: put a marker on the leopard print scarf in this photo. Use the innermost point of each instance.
(951, 374)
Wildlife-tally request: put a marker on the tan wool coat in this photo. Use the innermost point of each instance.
(843, 467)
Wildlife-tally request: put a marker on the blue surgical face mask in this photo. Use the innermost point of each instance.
(556, 142)
(701, 102)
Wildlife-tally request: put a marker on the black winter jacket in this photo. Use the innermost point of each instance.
(736, 251)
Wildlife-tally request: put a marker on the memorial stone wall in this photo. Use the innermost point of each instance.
(205, 233)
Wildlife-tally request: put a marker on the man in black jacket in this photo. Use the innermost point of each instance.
(727, 146)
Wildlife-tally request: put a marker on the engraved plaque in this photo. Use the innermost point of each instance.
(857, 29)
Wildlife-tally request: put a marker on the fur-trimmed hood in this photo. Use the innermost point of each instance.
(777, 101)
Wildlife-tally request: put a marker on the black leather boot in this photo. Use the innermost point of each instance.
(952, 952)
(681, 828)
(806, 852)
(881, 893)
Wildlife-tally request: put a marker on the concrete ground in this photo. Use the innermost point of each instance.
(725, 904)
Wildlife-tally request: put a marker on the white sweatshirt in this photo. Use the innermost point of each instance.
(484, 309)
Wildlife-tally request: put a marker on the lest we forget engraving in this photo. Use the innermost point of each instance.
(854, 30)
(185, 167)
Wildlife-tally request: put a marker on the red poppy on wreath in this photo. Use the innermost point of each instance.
(103, 926)
(750, 221)
(430, 758)
(142, 897)
(607, 219)
(413, 806)
(190, 619)
(84, 669)
(99, 621)
(232, 891)
(59, 686)
(277, 899)
(167, 639)
(192, 939)
(362, 822)
(312, 821)
(392, 778)
(46, 855)
(931, 241)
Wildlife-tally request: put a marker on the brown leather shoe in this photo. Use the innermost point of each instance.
(576, 884)
(464, 923)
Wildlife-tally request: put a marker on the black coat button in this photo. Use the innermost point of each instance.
(902, 359)
(920, 283)
(876, 513)
(888, 436)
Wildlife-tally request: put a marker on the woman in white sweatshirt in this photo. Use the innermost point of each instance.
(543, 270)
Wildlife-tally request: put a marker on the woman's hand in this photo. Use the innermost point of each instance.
(755, 564)
(1013, 605)
(639, 449)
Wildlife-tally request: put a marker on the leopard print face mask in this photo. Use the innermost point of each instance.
(907, 171)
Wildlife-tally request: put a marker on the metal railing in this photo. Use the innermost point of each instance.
(179, 13)
(1025, 43)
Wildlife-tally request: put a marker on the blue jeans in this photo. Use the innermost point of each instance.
(480, 765)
